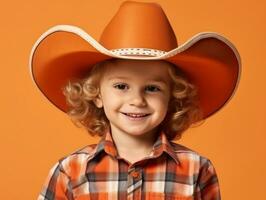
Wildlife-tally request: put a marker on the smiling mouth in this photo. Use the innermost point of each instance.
(136, 115)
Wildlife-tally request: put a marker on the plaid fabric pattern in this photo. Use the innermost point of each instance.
(96, 172)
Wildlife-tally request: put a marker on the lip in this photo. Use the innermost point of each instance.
(135, 113)
(136, 118)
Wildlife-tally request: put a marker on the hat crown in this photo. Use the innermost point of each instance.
(139, 25)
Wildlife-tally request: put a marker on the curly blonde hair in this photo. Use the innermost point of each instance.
(183, 108)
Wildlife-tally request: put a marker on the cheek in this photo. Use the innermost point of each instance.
(110, 100)
(160, 101)
(160, 106)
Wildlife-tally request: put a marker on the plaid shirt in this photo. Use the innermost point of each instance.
(96, 172)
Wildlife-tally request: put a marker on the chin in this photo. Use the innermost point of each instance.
(137, 132)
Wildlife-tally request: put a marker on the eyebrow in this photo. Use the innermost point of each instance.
(156, 79)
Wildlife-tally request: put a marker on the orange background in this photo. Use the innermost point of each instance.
(34, 134)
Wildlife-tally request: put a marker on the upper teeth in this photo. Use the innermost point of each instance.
(135, 115)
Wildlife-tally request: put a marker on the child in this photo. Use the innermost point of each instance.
(139, 91)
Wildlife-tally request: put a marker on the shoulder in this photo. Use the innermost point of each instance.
(86, 152)
(187, 154)
(76, 161)
(200, 169)
(181, 149)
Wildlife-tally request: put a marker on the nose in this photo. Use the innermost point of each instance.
(137, 99)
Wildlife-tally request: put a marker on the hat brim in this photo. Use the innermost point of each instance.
(65, 52)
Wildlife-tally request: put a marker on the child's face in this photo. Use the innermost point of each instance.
(134, 86)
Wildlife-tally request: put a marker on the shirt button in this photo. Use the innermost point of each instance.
(135, 174)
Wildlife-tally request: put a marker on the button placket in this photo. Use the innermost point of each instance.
(135, 174)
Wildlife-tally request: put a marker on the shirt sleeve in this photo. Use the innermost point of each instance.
(57, 185)
(207, 187)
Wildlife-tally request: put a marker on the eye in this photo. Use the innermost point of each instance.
(120, 86)
(153, 88)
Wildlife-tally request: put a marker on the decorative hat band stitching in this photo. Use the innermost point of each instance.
(138, 51)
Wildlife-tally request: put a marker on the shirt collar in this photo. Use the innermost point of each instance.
(162, 144)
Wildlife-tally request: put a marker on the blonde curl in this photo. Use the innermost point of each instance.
(183, 107)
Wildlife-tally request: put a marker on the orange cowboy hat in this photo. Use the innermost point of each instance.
(137, 31)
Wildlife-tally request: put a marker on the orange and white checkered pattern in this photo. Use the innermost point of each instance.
(96, 172)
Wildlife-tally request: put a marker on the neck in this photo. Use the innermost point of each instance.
(132, 145)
